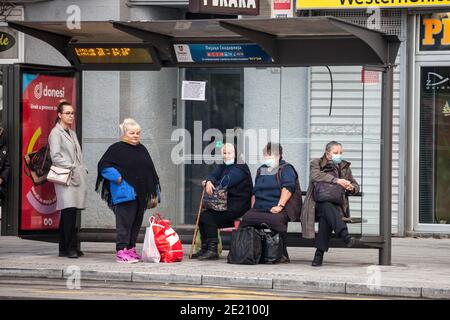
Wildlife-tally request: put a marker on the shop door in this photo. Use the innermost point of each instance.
(222, 110)
(434, 183)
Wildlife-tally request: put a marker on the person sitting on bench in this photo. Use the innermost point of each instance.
(236, 175)
(271, 193)
(331, 169)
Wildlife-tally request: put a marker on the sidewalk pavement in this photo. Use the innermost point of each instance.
(420, 268)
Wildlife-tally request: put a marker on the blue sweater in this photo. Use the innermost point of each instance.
(267, 190)
(119, 192)
(229, 176)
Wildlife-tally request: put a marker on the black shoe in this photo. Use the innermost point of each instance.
(62, 254)
(211, 254)
(350, 242)
(80, 253)
(284, 259)
(72, 255)
(201, 252)
(318, 259)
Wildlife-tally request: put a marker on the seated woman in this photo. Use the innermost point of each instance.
(270, 195)
(332, 169)
(237, 177)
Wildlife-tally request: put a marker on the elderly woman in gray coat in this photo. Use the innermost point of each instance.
(65, 152)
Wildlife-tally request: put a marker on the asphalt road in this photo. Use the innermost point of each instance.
(14, 288)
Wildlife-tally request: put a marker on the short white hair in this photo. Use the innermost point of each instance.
(228, 146)
(127, 125)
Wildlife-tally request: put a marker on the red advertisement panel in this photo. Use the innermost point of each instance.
(41, 94)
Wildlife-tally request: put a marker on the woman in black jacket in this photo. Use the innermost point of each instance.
(4, 164)
(127, 180)
(237, 177)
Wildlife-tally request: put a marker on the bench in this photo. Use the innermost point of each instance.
(296, 240)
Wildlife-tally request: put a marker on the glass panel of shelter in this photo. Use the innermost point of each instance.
(278, 104)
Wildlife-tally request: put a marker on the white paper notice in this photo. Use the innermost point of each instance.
(183, 53)
(193, 90)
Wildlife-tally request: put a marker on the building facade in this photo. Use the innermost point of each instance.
(291, 105)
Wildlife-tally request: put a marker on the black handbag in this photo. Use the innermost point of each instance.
(246, 246)
(272, 245)
(328, 192)
(218, 201)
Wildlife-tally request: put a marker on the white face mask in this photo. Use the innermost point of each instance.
(271, 162)
(229, 162)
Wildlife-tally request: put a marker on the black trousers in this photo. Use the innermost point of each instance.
(129, 216)
(211, 221)
(329, 216)
(68, 231)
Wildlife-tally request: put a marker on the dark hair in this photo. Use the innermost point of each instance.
(274, 148)
(60, 108)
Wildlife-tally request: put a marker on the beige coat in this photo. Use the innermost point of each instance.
(309, 206)
(65, 152)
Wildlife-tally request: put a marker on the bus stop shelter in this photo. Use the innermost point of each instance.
(292, 42)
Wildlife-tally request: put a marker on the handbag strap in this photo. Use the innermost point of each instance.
(280, 169)
(221, 186)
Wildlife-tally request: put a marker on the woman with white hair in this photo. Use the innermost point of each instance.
(128, 182)
(237, 177)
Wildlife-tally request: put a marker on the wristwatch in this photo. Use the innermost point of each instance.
(280, 205)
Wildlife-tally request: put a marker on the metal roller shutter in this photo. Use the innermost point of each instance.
(345, 124)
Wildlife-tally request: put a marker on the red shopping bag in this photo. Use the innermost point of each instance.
(167, 240)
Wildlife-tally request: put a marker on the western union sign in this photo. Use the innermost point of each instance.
(353, 4)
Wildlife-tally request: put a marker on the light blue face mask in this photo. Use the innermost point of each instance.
(337, 158)
(229, 162)
(270, 162)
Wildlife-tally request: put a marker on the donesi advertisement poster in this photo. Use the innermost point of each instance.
(41, 94)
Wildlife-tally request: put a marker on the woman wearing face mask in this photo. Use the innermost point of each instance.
(127, 180)
(270, 196)
(329, 168)
(238, 178)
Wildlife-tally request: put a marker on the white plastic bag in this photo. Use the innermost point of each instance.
(150, 252)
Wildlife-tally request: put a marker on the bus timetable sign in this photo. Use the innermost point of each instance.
(231, 7)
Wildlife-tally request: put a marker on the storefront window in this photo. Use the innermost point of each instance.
(434, 145)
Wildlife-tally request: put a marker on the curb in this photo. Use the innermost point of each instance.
(236, 281)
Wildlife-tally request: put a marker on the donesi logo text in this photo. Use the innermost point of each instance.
(41, 91)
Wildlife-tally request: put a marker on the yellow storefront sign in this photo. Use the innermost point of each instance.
(354, 4)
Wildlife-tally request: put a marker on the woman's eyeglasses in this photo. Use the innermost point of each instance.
(69, 113)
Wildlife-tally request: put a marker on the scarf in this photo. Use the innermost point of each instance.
(136, 167)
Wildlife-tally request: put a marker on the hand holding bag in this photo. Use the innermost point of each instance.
(154, 200)
(328, 192)
(219, 199)
(59, 175)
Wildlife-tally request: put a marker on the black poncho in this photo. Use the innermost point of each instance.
(136, 167)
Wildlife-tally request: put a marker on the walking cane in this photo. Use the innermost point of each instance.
(196, 224)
